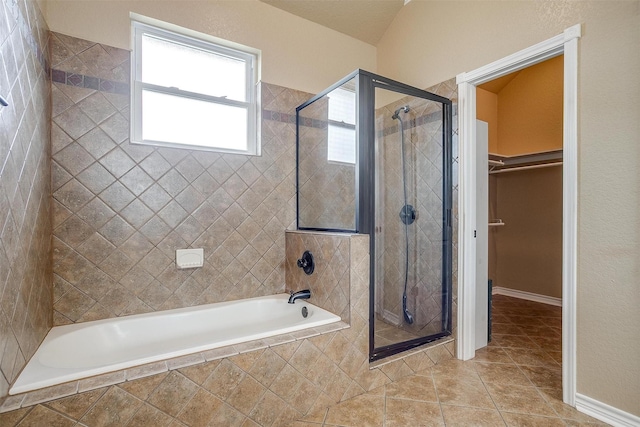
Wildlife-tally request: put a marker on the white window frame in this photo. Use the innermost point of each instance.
(141, 26)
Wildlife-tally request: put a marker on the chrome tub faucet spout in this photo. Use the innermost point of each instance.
(305, 294)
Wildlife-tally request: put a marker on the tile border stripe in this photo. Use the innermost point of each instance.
(89, 82)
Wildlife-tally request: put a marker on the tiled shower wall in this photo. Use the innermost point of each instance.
(121, 210)
(330, 282)
(25, 225)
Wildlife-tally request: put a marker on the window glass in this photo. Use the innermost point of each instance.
(342, 130)
(342, 144)
(190, 120)
(192, 69)
(342, 106)
(193, 93)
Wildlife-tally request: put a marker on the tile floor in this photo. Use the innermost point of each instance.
(515, 381)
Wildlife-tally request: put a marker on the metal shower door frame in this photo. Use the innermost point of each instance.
(365, 209)
(365, 181)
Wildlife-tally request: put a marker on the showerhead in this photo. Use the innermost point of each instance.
(404, 109)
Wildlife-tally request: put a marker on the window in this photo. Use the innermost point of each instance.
(191, 92)
(342, 126)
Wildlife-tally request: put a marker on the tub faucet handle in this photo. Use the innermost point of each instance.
(306, 262)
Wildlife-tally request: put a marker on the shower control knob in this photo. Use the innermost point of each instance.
(306, 263)
(408, 214)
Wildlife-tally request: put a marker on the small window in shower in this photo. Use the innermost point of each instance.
(193, 92)
(341, 137)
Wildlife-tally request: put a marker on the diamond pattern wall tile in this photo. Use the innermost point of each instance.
(96, 142)
(96, 107)
(59, 139)
(189, 230)
(136, 246)
(68, 46)
(73, 195)
(73, 231)
(136, 180)
(189, 168)
(155, 230)
(136, 213)
(137, 152)
(155, 165)
(173, 214)
(61, 103)
(96, 248)
(96, 213)
(220, 170)
(117, 231)
(173, 183)
(76, 94)
(74, 122)
(117, 127)
(155, 197)
(190, 199)
(116, 196)
(96, 178)
(117, 264)
(117, 162)
(25, 213)
(74, 158)
(235, 207)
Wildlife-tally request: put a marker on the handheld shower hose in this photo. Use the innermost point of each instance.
(408, 317)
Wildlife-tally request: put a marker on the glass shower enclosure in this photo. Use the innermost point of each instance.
(374, 157)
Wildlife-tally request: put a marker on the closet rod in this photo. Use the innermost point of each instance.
(496, 162)
(521, 168)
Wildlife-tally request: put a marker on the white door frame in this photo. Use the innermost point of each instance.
(567, 44)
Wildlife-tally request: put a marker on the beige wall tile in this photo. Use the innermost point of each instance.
(235, 207)
(25, 210)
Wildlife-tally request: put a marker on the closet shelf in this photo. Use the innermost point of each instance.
(499, 163)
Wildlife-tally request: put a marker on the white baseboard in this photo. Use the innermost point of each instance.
(605, 413)
(514, 293)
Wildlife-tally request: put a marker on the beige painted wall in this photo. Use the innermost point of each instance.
(296, 53)
(530, 110)
(467, 35)
(524, 115)
(528, 249)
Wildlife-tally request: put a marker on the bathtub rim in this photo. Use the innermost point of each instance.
(33, 386)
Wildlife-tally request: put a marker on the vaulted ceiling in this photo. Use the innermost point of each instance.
(366, 20)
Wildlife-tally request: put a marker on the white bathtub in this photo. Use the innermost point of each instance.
(82, 350)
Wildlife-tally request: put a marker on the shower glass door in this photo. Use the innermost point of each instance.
(411, 300)
(374, 157)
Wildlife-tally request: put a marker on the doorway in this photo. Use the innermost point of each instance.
(519, 186)
(567, 44)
